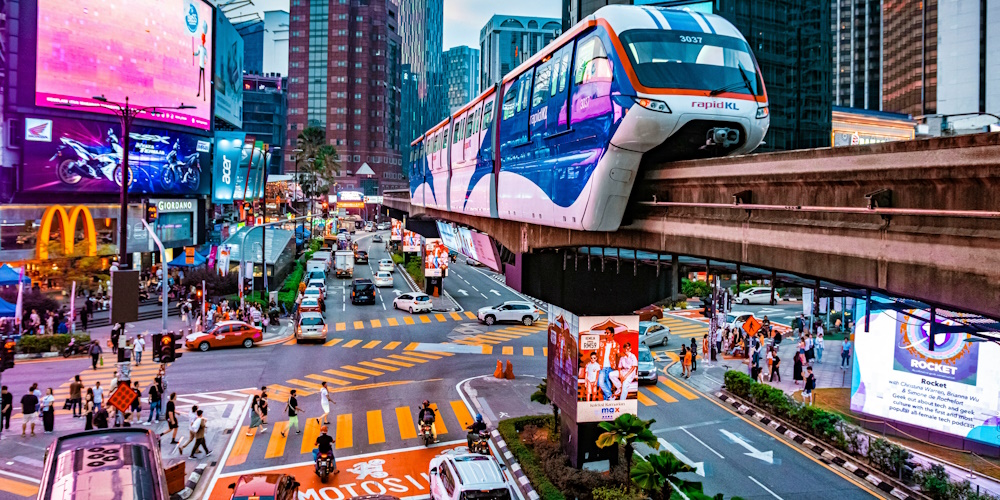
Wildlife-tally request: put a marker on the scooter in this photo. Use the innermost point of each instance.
(480, 443)
(425, 433)
(324, 464)
(74, 349)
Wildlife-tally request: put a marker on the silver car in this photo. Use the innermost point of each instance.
(652, 333)
(311, 326)
(647, 366)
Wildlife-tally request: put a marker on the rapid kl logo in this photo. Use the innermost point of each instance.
(715, 105)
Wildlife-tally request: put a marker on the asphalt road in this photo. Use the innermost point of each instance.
(380, 364)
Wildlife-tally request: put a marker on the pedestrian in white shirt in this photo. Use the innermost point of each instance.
(137, 347)
(192, 418)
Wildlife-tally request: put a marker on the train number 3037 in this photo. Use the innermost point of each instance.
(690, 39)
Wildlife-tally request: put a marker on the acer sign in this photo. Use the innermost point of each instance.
(64, 155)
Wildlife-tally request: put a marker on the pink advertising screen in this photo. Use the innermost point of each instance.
(155, 52)
(485, 250)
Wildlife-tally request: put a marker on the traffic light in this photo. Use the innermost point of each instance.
(7, 354)
(151, 213)
(157, 349)
(170, 347)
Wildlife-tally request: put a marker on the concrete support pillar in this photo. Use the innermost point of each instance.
(675, 276)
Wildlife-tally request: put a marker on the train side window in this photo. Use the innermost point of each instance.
(592, 64)
(468, 125)
(444, 138)
(522, 105)
(542, 77)
(458, 132)
(510, 100)
(487, 116)
(564, 69)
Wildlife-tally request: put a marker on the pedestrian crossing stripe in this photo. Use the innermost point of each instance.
(352, 343)
(663, 392)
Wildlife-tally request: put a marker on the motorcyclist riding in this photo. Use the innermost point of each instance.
(172, 155)
(474, 429)
(426, 415)
(324, 444)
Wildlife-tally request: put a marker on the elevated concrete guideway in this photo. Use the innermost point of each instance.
(917, 219)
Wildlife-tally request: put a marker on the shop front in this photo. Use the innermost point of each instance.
(176, 223)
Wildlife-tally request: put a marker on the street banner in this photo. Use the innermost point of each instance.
(411, 241)
(19, 306)
(396, 234)
(435, 258)
(72, 309)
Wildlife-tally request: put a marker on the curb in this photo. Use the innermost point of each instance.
(826, 455)
(192, 482)
(520, 478)
(41, 355)
(277, 340)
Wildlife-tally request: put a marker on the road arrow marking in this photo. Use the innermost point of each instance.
(396, 291)
(699, 467)
(463, 292)
(495, 292)
(764, 456)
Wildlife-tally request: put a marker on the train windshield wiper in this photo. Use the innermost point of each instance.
(733, 86)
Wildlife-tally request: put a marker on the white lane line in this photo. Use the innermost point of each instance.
(765, 488)
(473, 287)
(702, 443)
(344, 308)
(484, 295)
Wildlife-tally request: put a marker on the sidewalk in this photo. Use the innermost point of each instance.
(499, 399)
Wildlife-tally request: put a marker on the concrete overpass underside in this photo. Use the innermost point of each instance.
(917, 219)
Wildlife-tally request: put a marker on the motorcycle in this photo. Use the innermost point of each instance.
(74, 349)
(425, 433)
(324, 464)
(186, 172)
(480, 443)
(77, 162)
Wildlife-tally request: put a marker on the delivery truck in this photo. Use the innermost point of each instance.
(344, 263)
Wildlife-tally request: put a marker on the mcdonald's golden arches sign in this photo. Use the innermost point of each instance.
(67, 224)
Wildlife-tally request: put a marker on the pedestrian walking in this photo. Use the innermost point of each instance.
(88, 410)
(95, 354)
(798, 362)
(48, 411)
(29, 412)
(6, 407)
(818, 343)
(116, 334)
(845, 353)
(136, 403)
(262, 408)
(293, 413)
(75, 393)
(775, 367)
(84, 318)
(199, 426)
(138, 345)
(192, 417)
(154, 403)
(694, 355)
(38, 395)
(98, 396)
(254, 416)
(171, 415)
(324, 401)
(807, 394)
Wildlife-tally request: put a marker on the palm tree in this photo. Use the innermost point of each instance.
(318, 162)
(541, 396)
(659, 473)
(626, 430)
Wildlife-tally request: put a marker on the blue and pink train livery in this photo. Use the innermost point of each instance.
(560, 141)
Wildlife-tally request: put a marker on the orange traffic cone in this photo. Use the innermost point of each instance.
(498, 373)
(509, 372)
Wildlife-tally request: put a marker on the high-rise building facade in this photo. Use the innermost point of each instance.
(422, 38)
(265, 109)
(506, 41)
(791, 40)
(461, 76)
(265, 43)
(856, 26)
(341, 79)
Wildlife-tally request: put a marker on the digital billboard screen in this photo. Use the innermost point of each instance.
(155, 52)
(63, 155)
(396, 230)
(233, 154)
(563, 370)
(411, 241)
(464, 237)
(228, 72)
(435, 258)
(486, 252)
(447, 233)
(952, 389)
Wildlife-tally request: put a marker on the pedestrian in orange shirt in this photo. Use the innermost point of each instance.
(685, 361)
(704, 348)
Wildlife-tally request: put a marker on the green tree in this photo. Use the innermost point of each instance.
(626, 430)
(658, 475)
(316, 162)
(541, 397)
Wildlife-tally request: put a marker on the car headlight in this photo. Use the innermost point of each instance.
(653, 105)
(763, 112)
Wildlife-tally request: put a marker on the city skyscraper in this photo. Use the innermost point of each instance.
(265, 107)
(461, 76)
(857, 53)
(506, 41)
(424, 102)
(342, 79)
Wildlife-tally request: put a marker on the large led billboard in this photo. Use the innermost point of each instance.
(155, 52)
(486, 252)
(952, 388)
(435, 258)
(228, 72)
(84, 156)
(447, 232)
(411, 242)
(232, 173)
(396, 232)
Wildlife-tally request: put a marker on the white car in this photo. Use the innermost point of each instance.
(467, 475)
(513, 310)
(369, 227)
(383, 226)
(385, 265)
(755, 295)
(414, 302)
(736, 319)
(311, 326)
(383, 278)
(652, 333)
(314, 292)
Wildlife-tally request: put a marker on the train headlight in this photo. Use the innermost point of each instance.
(653, 105)
(763, 112)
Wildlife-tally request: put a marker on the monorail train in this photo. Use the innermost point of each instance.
(560, 140)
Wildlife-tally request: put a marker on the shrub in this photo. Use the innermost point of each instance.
(888, 457)
(617, 493)
(510, 430)
(397, 259)
(738, 383)
(31, 344)
(695, 288)
(415, 268)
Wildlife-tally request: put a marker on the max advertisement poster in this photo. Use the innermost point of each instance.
(396, 232)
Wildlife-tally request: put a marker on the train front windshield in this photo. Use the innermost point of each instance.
(690, 60)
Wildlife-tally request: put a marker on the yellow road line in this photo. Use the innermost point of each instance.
(394, 363)
(345, 374)
(376, 432)
(345, 433)
(422, 355)
(462, 412)
(677, 388)
(408, 320)
(645, 400)
(379, 366)
(303, 383)
(438, 421)
(309, 434)
(359, 325)
(392, 322)
(333, 342)
(391, 345)
(377, 385)
(240, 450)
(18, 488)
(470, 315)
(362, 370)
(409, 359)
(662, 395)
(455, 316)
(371, 344)
(352, 343)
(276, 445)
(528, 351)
(341, 327)
(486, 349)
(545, 352)
(330, 380)
(508, 351)
(376, 323)
(405, 420)
(411, 346)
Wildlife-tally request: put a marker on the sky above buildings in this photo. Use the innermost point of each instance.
(464, 18)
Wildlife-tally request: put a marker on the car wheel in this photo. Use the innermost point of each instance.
(203, 346)
(527, 321)
(411, 309)
(489, 320)
(394, 305)
(746, 302)
(248, 343)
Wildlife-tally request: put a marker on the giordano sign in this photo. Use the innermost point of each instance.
(67, 224)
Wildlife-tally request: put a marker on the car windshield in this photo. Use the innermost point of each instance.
(642, 329)
(690, 60)
(645, 356)
(314, 320)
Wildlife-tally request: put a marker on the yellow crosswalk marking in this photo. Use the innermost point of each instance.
(345, 433)
(408, 320)
(303, 383)
(392, 322)
(362, 370)
(422, 355)
(371, 344)
(443, 353)
(359, 325)
(677, 388)
(410, 359)
(425, 319)
(645, 400)
(395, 363)
(440, 318)
(391, 345)
(352, 343)
(662, 395)
(508, 351)
(462, 412)
(486, 349)
(309, 435)
(470, 315)
(378, 366)
(376, 433)
(276, 445)
(405, 420)
(333, 342)
(345, 374)
(528, 351)
(411, 346)
(329, 380)
(455, 316)
(545, 352)
(18, 488)
(376, 323)
(341, 327)
(241, 448)
(438, 420)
